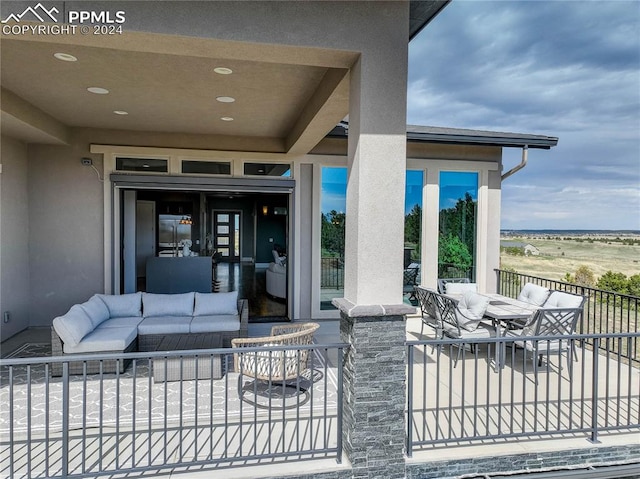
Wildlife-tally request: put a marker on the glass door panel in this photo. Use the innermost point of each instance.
(226, 240)
(457, 235)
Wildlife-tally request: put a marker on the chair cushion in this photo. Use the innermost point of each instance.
(96, 310)
(104, 339)
(482, 331)
(471, 309)
(559, 299)
(533, 294)
(123, 305)
(73, 326)
(167, 304)
(458, 288)
(164, 325)
(208, 304)
(214, 323)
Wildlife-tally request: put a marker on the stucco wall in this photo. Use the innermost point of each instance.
(66, 229)
(14, 237)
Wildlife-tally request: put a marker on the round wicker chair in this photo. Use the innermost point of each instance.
(277, 362)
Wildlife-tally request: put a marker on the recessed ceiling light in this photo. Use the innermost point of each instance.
(225, 99)
(65, 57)
(145, 165)
(223, 70)
(120, 112)
(226, 118)
(97, 90)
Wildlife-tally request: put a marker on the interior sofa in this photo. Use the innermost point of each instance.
(139, 321)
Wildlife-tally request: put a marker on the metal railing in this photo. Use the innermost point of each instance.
(474, 402)
(604, 311)
(332, 272)
(166, 410)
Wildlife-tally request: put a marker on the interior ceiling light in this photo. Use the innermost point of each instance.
(97, 90)
(120, 112)
(226, 118)
(225, 99)
(223, 70)
(65, 57)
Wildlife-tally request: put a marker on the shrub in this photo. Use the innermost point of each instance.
(616, 282)
(585, 276)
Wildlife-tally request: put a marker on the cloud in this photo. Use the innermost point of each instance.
(566, 69)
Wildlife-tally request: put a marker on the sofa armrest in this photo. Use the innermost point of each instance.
(243, 311)
(56, 343)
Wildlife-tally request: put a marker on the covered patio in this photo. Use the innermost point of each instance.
(469, 411)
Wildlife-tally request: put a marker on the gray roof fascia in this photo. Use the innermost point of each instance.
(421, 13)
(458, 136)
(472, 137)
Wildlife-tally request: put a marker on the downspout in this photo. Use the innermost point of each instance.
(518, 167)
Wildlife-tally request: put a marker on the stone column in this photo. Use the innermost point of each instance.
(374, 389)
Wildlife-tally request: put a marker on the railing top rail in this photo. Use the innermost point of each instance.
(569, 285)
(163, 354)
(508, 339)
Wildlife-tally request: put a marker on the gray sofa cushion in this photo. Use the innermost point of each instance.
(123, 305)
(164, 325)
(104, 339)
(207, 304)
(73, 326)
(214, 323)
(96, 309)
(120, 322)
(167, 304)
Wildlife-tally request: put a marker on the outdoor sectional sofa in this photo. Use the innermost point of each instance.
(139, 321)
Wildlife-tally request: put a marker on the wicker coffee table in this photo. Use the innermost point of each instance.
(177, 368)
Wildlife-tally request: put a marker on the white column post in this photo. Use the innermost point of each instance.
(376, 179)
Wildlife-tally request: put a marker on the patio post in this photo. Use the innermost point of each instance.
(372, 310)
(374, 396)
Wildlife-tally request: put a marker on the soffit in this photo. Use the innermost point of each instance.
(171, 92)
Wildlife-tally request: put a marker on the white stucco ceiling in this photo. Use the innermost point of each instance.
(168, 84)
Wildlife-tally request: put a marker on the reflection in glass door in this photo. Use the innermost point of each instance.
(226, 238)
(457, 235)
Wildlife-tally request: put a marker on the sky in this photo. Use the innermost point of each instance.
(568, 69)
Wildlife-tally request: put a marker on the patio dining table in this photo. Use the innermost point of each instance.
(503, 312)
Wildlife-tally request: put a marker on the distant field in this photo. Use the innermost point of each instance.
(558, 257)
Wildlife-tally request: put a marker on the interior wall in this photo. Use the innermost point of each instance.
(14, 237)
(271, 229)
(66, 247)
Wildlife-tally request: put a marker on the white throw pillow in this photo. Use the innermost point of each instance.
(559, 299)
(471, 309)
(123, 305)
(208, 304)
(533, 294)
(96, 310)
(458, 288)
(73, 326)
(167, 304)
